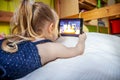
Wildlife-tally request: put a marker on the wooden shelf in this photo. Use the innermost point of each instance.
(91, 12)
(5, 16)
(108, 11)
(90, 2)
(87, 4)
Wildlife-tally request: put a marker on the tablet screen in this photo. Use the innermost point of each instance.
(70, 27)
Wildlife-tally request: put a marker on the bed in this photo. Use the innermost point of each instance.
(100, 61)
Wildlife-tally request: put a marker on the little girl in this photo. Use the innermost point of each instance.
(34, 30)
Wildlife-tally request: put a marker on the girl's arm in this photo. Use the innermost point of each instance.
(51, 51)
(62, 51)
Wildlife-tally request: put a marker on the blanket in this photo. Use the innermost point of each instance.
(100, 61)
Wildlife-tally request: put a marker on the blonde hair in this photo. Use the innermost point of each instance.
(30, 18)
(28, 22)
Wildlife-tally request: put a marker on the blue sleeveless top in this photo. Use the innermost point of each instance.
(20, 63)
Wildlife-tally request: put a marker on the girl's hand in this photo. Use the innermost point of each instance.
(82, 36)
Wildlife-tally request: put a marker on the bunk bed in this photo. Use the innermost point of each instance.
(100, 60)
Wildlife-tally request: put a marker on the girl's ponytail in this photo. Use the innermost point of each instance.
(22, 29)
(21, 20)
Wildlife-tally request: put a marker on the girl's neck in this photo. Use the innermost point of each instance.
(38, 39)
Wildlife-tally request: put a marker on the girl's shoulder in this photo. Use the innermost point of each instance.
(7, 46)
(41, 41)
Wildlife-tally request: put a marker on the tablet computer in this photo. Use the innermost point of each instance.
(71, 27)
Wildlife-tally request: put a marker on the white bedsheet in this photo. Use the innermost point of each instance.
(100, 61)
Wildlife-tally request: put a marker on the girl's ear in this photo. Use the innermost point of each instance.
(50, 28)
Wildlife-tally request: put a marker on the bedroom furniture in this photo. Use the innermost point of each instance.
(71, 7)
(92, 13)
(65, 9)
(112, 11)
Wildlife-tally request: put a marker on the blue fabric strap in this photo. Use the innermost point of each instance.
(2, 72)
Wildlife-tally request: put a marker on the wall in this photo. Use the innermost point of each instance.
(10, 6)
(5, 6)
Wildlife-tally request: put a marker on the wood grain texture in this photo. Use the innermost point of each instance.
(5, 16)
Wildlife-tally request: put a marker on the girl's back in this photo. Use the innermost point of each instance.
(18, 64)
